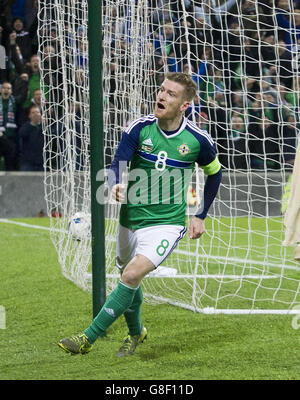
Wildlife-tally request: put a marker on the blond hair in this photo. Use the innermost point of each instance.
(190, 87)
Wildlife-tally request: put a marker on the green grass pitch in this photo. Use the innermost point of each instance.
(41, 307)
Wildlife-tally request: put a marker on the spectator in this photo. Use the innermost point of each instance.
(247, 66)
(37, 99)
(295, 55)
(212, 84)
(251, 87)
(239, 143)
(290, 24)
(258, 14)
(162, 14)
(289, 135)
(11, 58)
(231, 46)
(284, 107)
(15, 58)
(20, 92)
(194, 109)
(23, 39)
(2, 57)
(53, 87)
(277, 61)
(283, 5)
(204, 35)
(284, 63)
(33, 71)
(240, 102)
(267, 48)
(213, 97)
(32, 142)
(6, 13)
(54, 38)
(23, 113)
(164, 45)
(292, 97)
(234, 52)
(263, 105)
(213, 103)
(185, 48)
(202, 120)
(3, 61)
(248, 8)
(264, 146)
(82, 54)
(8, 127)
(3, 35)
(205, 68)
(209, 8)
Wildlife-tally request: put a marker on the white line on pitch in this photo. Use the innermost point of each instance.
(232, 259)
(241, 260)
(212, 310)
(207, 276)
(8, 221)
(186, 253)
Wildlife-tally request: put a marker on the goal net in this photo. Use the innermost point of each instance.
(243, 55)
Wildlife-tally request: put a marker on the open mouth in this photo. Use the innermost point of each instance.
(160, 106)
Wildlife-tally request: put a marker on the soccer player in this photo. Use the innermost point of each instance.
(162, 150)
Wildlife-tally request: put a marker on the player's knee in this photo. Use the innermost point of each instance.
(130, 278)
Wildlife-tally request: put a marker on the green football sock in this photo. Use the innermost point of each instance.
(116, 304)
(133, 315)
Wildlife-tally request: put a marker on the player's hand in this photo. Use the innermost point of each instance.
(118, 192)
(197, 228)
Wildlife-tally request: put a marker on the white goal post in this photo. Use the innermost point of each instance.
(243, 56)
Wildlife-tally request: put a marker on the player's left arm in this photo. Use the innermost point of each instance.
(211, 166)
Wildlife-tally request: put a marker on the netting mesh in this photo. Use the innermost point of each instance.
(243, 55)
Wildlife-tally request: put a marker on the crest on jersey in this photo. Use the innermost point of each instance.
(183, 149)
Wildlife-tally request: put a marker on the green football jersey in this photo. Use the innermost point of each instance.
(161, 165)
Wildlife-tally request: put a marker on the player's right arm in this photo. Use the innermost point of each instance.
(124, 153)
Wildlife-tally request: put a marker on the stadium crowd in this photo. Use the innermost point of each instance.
(243, 54)
(244, 58)
(21, 137)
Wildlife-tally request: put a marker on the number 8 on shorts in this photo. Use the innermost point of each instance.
(161, 249)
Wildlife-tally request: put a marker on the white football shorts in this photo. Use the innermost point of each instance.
(154, 242)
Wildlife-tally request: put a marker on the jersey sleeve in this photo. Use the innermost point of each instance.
(209, 162)
(124, 153)
(210, 191)
(207, 158)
